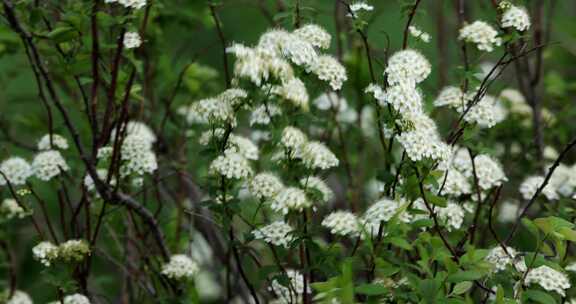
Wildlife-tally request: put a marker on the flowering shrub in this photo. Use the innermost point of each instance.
(309, 165)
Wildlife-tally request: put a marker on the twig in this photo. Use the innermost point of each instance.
(563, 154)
(223, 44)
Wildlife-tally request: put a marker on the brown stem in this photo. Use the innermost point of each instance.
(407, 27)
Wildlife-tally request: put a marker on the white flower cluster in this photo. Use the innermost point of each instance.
(10, 209)
(451, 216)
(263, 114)
(549, 278)
(16, 169)
(316, 155)
(243, 146)
(315, 35)
(342, 223)
(133, 4)
(515, 17)
(419, 137)
(499, 258)
(132, 40)
(265, 186)
(294, 91)
(423, 141)
(69, 251)
(486, 112)
(451, 96)
(290, 198)
(278, 234)
(58, 142)
(359, 6)
(48, 164)
(20, 297)
(136, 152)
(328, 69)
(407, 66)
(563, 180)
(482, 34)
(180, 267)
(418, 33)
(45, 253)
(270, 58)
(293, 139)
(456, 183)
(488, 171)
(73, 250)
(231, 165)
(287, 294)
(531, 184)
(384, 210)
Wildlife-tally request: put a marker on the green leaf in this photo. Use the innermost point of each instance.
(429, 289)
(462, 287)
(436, 200)
(62, 34)
(371, 289)
(400, 242)
(539, 296)
(461, 276)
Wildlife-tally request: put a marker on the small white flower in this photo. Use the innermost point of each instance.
(418, 33)
(290, 199)
(293, 139)
(315, 35)
(48, 164)
(45, 253)
(549, 279)
(16, 169)
(287, 294)
(294, 91)
(180, 267)
(278, 234)
(265, 185)
(359, 6)
(482, 34)
(132, 40)
(58, 142)
(407, 66)
(244, 146)
(11, 209)
(262, 115)
(231, 165)
(316, 155)
(516, 17)
(342, 223)
(500, 258)
(328, 68)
